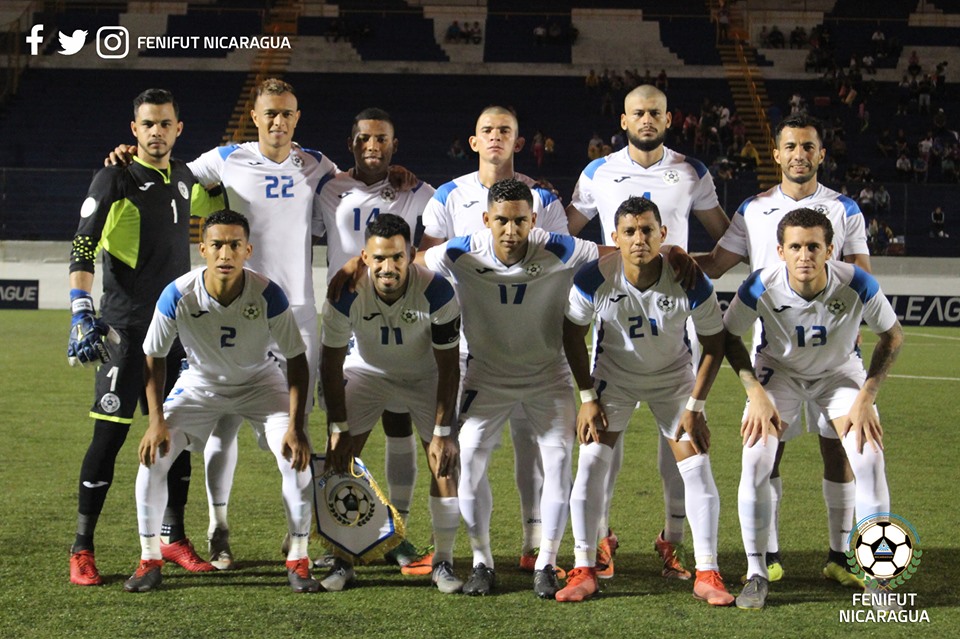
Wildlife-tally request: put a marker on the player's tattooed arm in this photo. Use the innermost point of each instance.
(862, 418)
(762, 418)
(156, 440)
(296, 446)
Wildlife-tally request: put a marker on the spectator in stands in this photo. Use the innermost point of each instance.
(798, 38)
(476, 33)
(901, 145)
(885, 143)
(884, 237)
(690, 124)
(925, 145)
(881, 201)
(777, 41)
(913, 66)
(750, 155)
(867, 199)
(739, 130)
(549, 146)
(948, 164)
(537, 148)
(723, 170)
(937, 220)
(456, 152)
(453, 32)
(723, 23)
(940, 78)
(867, 64)
(838, 148)
(592, 82)
(920, 169)
(925, 88)
(595, 147)
(554, 32)
(618, 141)
(662, 82)
(904, 92)
(540, 34)
(797, 104)
(764, 37)
(879, 42)
(904, 168)
(873, 230)
(828, 168)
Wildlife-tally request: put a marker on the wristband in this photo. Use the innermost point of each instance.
(442, 431)
(80, 301)
(695, 405)
(339, 427)
(588, 395)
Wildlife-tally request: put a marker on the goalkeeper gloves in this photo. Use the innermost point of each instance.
(86, 347)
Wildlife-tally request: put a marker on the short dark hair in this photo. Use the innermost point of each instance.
(808, 219)
(636, 205)
(798, 121)
(509, 190)
(227, 218)
(371, 113)
(388, 225)
(155, 96)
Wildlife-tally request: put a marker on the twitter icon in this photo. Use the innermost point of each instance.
(72, 43)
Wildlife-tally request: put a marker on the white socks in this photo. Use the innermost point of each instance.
(220, 463)
(674, 505)
(476, 502)
(702, 507)
(445, 514)
(869, 471)
(528, 474)
(753, 503)
(587, 500)
(840, 498)
(401, 471)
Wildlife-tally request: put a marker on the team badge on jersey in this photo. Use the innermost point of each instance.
(534, 270)
(836, 306)
(671, 177)
(110, 403)
(297, 160)
(252, 311)
(666, 304)
(408, 315)
(184, 191)
(388, 193)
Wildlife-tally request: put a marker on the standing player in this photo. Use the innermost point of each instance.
(512, 280)
(140, 216)
(229, 319)
(343, 209)
(392, 344)
(811, 313)
(799, 152)
(457, 210)
(680, 185)
(642, 355)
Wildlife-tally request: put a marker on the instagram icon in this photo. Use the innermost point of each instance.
(113, 42)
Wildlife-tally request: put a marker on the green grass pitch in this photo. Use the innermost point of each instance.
(45, 431)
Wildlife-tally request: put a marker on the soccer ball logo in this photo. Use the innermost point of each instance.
(666, 304)
(883, 550)
(671, 177)
(836, 306)
(534, 270)
(350, 504)
(408, 315)
(252, 311)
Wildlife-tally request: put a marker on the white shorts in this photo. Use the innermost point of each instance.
(831, 395)
(549, 408)
(195, 409)
(368, 395)
(666, 405)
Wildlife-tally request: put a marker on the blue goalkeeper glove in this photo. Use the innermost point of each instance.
(87, 333)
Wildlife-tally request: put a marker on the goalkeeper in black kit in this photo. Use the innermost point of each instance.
(139, 217)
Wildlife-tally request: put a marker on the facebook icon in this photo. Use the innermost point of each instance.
(35, 39)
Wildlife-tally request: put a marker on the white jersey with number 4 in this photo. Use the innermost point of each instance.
(753, 229)
(226, 346)
(346, 206)
(393, 339)
(277, 199)
(677, 184)
(641, 333)
(457, 207)
(810, 338)
(513, 315)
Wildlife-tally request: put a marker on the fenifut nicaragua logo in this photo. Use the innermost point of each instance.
(113, 42)
(884, 551)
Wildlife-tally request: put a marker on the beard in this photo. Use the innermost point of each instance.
(646, 145)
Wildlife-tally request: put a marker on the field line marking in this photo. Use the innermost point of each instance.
(938, 379)
(950, 337)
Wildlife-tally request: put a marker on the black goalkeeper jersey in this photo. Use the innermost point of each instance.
(140, 217)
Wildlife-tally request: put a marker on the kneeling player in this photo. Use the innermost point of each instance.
(642, 355)
(811, 313)
(404, 325)
(226, 317)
